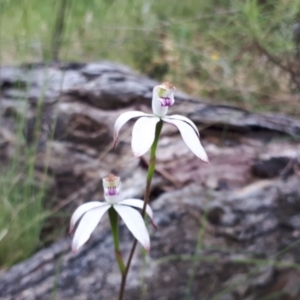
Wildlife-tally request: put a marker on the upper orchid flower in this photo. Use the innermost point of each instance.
(143, 133)
(92, 213)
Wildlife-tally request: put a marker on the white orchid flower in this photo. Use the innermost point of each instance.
(143, 133)
(91, 213)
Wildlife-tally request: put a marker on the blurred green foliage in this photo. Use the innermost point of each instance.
(21, 201)
(208, 48)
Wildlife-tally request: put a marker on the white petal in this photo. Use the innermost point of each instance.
(135, 224)
(124, 118)
(190, 138)
(81, 210)
(143, 135)
(185, 119)
(87, 225)
(139, 204)
(157, 109)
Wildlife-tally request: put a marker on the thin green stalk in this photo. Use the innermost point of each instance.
(59, 29)
(143, 273)
(197, 256)
(113, 217)
(150, 174)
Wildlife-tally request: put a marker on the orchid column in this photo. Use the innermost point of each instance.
(145, 134)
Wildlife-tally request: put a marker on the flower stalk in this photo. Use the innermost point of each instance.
(151, 169)
(113, 218)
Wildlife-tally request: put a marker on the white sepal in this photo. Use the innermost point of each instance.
(185, 119)
(135, 224)
(123, 119)
(143, 135)
(87, 225)
(190, 137)
(81, 210)
(139, 204)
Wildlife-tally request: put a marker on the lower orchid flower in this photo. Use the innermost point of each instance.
(91, 213)
(143, 133)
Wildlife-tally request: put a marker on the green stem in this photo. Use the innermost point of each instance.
(151, 169)
(113, 217)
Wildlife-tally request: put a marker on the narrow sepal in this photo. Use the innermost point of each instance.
(185, 119)
(143, 135)
(81, 210)
(139, 204)
(123, 119)
(87, 225)
(190, 137)
(135, 223)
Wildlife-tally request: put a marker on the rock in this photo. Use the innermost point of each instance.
(226, 230)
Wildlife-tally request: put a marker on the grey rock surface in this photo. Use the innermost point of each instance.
(227, 230)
